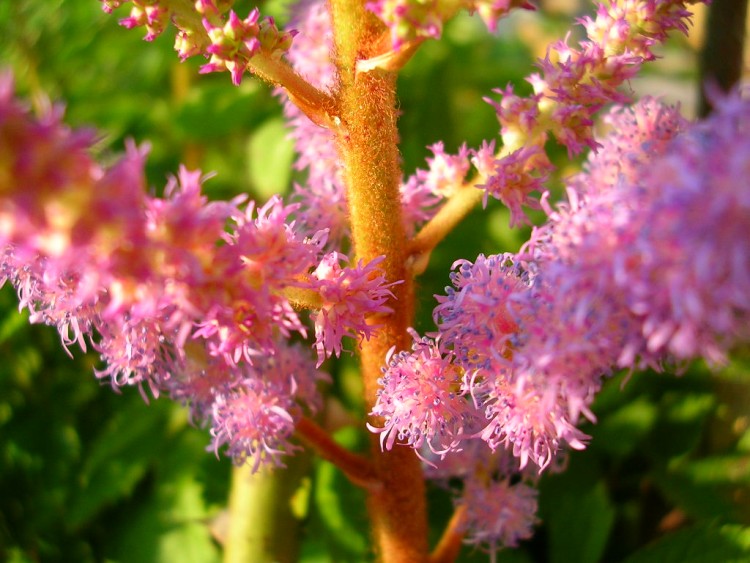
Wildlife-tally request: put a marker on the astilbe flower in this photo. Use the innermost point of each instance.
(250, 409)
(573, 85)
(205, 28)
(481, 291)
(254, 423)
(257, 415)
(631, 270)
(177, 294)
(420, 401)
(242, 302)
(425, 189)
(499, 514)
(410, 20)
(349, 298)
(684, 261)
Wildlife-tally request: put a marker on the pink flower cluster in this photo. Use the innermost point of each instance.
(573, 85)
(205, 28)
(178, 293)
(410, 20)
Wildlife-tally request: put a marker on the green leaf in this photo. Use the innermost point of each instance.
(699, 544)
(621, 431)
(271, 154)
(681, 422)
(339, 510)
(704, 487)
(125, 448)
(577, 511)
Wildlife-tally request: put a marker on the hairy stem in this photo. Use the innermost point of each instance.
(367, 143)
(449, 546)
(316, 104)
(358, 469)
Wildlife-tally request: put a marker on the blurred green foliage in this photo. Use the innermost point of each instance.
(88, 475)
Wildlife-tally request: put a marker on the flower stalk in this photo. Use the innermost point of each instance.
(369, 152)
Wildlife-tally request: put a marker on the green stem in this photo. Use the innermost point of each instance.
(367, 143)
(262, 526)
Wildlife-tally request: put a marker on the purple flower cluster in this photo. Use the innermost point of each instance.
(648, 260)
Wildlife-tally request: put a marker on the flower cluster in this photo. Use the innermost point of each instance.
(177, 294)
(410, 20)
(648, 260)
(209, 28)
(573, 85)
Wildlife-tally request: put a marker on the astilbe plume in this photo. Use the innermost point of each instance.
(621, 275)
(209, 28)
(177, 294)
(645, 261)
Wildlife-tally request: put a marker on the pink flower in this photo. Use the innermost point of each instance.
(420, 400)
(498, 514)
(349, 297)
(253, 420)
(475, 319)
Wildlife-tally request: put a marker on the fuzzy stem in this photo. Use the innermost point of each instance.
(449, 546)
(357, 468)
(367, 143)
(316, 104)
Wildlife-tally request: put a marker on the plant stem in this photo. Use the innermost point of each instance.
(367, 143)
(445, 220)
(357, 468)
(449, 545)
(262, 527)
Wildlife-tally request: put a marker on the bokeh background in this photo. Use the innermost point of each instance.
(89, 475)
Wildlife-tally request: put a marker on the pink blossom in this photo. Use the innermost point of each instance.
(349, 297)
(253, 420)
(420, 401)
(498, 514)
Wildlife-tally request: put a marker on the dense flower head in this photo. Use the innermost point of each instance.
(647, 259)
(420, 401)
(499, 514)
(236, 41)
(349, 296)
(254, 414)
(210, 28)
(573, 84)
(684, 264)
(410, 20)
(515, 177)
(475, 318)
(636, 134)
(242, 303)
(252, 419)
